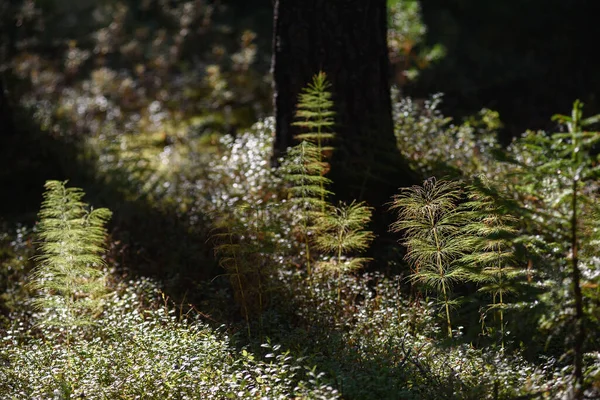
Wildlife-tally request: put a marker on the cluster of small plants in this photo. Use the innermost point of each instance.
(499, 293)
(140, 348)
(377, 343)
(499, 271)
(471, 238)
(508, 228)
(86, 336)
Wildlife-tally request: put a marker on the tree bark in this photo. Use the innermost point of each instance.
(7, 43)
(346, 39)
(7, 127)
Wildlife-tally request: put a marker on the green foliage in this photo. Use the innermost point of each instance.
(340, 232)
(240, 193)
(233, 261)
(154, 128)
(549, 184)
(373, 340)
(433, 225)
(492, 256)
(244, 247)
(142, 349)
(238, 173)
(333, 230)
(434, 146)
(557, 180)
(315, 116)
(406, 36)
(69, 273)
(304, 167)
(17, 250)
(386, 346)
(245, 251)
(152, 71)
(315, 113)
(304, 173)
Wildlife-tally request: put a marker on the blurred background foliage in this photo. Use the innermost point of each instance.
(159, 77)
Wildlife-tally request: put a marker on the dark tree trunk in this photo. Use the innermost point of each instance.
(346, 39)
(7, 127)
(7, 44)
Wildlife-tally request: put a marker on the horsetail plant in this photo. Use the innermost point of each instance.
(341, 231)
(315, 117)
(304, 173)
(492, 258)
(433, 225)
(305, 167)
(243, 245)
(230, 253)
(69, 274)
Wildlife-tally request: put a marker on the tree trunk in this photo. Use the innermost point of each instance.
(7, 43)
(346, 39)
(7, 127)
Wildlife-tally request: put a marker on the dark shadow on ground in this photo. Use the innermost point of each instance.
(146, 240)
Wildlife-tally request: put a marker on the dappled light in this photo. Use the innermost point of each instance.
(210, 199)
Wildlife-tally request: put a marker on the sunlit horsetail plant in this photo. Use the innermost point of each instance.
(492, 259)
(433, 225)
(304, 172)
(549, 173)
(340, 231)
(315, 116)
(305, 167)
(69, 274)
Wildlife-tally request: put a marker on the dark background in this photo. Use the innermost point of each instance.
(527, 59)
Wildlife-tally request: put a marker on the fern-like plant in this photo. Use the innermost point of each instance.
(69, 274)
(315, 112)
(305, 167)
(433, 225)
(315, 116)
(579, 146)
(492, 258)
(341, 231)
(304, 172)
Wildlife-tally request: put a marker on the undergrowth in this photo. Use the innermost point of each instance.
(141, 348)
(498, 290)
(500, 263)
